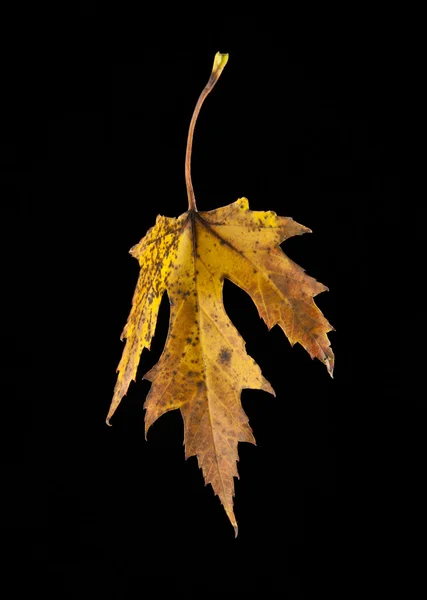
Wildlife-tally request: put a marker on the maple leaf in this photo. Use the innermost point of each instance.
(204, 365)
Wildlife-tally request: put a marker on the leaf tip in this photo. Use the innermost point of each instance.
(147, 427)
(330, 363)
(267, 387)
(230, 515)
(110, 414)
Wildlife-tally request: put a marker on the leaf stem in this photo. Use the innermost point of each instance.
(219, 63)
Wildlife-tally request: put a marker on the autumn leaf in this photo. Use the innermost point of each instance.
(204, 365)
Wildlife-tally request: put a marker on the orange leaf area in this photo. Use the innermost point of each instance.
(204, 365)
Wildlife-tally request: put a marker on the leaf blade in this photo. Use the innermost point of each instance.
(204, 365)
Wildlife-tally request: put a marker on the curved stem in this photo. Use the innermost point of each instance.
(219, 63)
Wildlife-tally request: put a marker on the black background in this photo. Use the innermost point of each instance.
(98, 107)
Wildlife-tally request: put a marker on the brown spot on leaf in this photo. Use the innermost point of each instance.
(224, 356)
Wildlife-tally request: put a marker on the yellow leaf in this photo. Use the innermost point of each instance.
(204, 365)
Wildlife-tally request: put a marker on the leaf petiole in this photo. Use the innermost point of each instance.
(219, 63)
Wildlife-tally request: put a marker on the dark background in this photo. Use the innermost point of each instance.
(302, 122)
